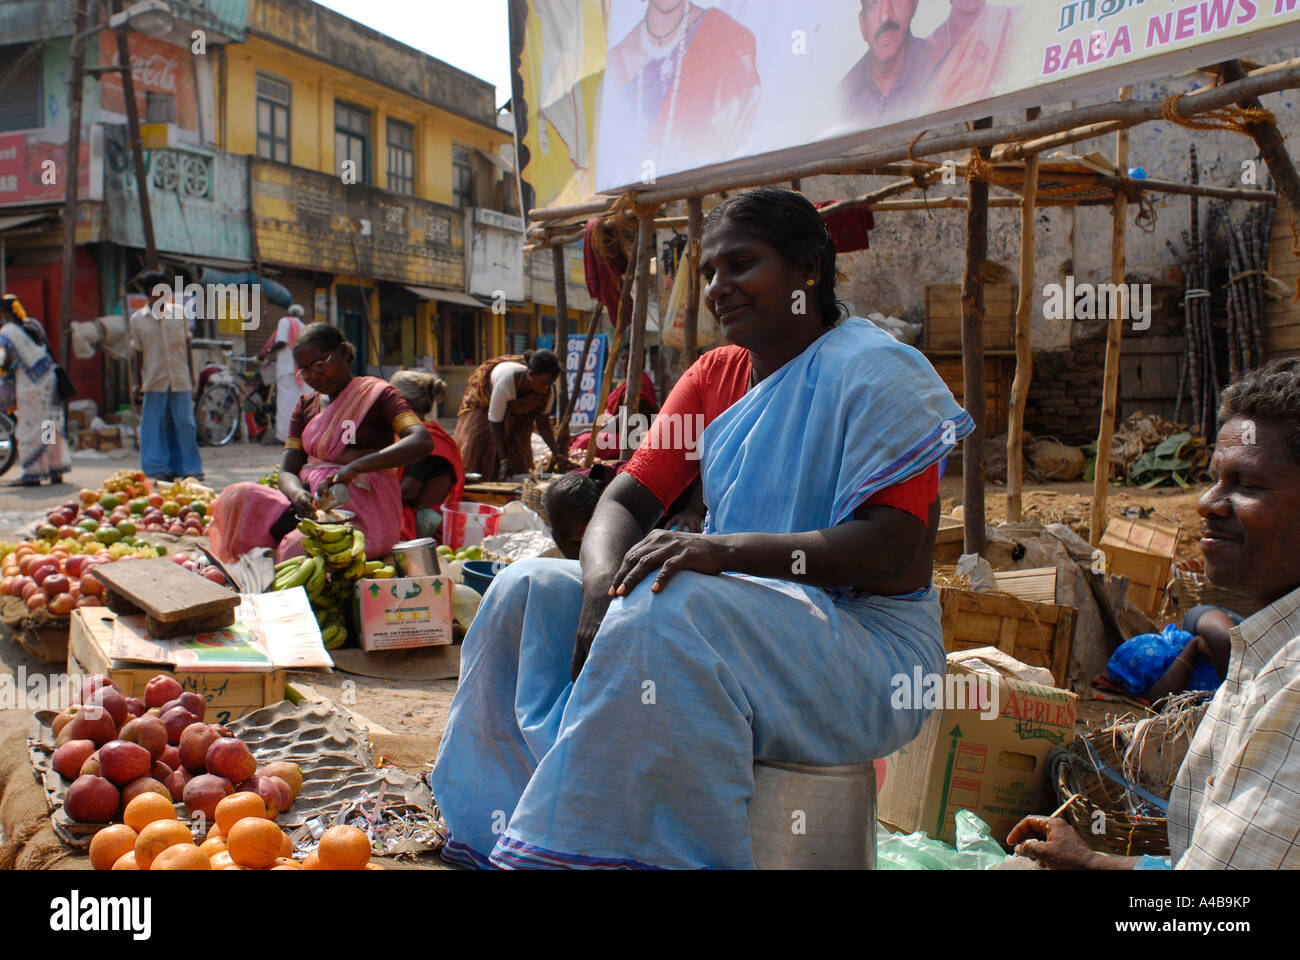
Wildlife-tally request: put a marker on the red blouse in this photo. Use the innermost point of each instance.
(716, 381)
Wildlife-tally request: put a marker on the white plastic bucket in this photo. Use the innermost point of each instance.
(466, 524)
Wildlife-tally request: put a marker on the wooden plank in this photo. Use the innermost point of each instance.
(1037, 584)
(165, 591)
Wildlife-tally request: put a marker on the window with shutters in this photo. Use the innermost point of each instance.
(401, 157)
(159, 107)
(272, 118)
(20, 101)
(462, 179)
(352, 139)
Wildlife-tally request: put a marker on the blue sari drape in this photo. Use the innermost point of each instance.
(647, 760)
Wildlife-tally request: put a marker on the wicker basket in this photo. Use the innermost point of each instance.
(1191, 589)
(1126, 834)
(534, 497)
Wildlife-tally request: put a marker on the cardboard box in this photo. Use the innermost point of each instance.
(404, 612)
(229, 695)
(1143, 551)
(993, 766)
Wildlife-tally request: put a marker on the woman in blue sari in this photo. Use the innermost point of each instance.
(610, 710)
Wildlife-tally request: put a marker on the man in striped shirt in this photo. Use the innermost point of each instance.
(1236, 801)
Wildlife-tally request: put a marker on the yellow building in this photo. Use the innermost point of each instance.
(370, 159)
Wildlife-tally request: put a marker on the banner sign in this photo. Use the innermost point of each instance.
(584, 411)
(33, 162)
(163, 75)
(735, 85)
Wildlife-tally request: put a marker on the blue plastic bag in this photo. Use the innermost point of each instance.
(1138, 663)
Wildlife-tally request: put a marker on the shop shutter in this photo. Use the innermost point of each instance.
(20, 106)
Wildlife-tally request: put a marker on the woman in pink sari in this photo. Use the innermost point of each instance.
(342, 433)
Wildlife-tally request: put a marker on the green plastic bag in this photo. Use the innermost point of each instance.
(976, 848)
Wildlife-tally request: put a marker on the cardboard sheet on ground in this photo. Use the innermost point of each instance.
(339, 777)
(423, 664)
(272, 631)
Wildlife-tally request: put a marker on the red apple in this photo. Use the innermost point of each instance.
(160, 771)
(286, 792)
(204, 792)
(61, 720)
(290, 773)
(111, 699)
(92, 800)
(143, 785)
(195, 741)
(194, 703)
(175, 783)
(43, 572)
(94, 511)
(91, 766)
(123, 761)
(75, 565)
(92, 722)
(92, 685)
(160, 689)
(70, 757)
(56, 584)
(172, 756)
(135, 706)
(230, 758)
(149, 732)
(176, 720)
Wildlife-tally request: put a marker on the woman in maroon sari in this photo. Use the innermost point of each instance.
(342, 433)
(438, 478)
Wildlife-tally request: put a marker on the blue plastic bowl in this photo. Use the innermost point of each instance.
(479, 573)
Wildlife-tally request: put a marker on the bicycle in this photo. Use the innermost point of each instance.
(232, 395)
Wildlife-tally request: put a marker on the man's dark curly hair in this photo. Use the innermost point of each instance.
(1271, 392)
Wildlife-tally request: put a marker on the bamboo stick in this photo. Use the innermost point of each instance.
(636, 354)
(1114, 334)
(972, 349)
(561, 320)
(1024, 351)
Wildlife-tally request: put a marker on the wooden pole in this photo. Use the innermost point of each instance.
(1270, 143)
(1114, 338)
(691, 322)
(972, 353)
(636, 354)
(620, 328)
(1024, 350)
(71, 175)
(561, 322)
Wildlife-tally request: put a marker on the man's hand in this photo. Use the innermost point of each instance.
(670, 551)
(1052, 842)
(304, 505)
(503, 470)
(345, 476)
(137, 394)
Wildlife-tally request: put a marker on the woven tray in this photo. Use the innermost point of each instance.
(1190, 589)
(1102, 801)
(338, 773)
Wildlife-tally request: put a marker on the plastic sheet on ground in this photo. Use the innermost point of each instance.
(976, 849)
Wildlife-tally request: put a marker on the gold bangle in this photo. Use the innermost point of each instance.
(293, 443)
(404, 420)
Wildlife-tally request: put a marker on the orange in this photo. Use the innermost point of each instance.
(234, 866)
(126, 862)
(222, 860)
(255, 843)
(181, 856)
(344, 848)
(213, 846)
(108, 846)
(312, 862)
(286, 848)
(287, 863)
(230, 810)
(157, 837)
(145, 808)
(373, 866)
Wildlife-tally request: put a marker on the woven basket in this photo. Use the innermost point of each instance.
(1190, 589)
(533, 495)
(1125, 834)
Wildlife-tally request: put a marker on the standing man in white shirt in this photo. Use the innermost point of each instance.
(160, 337)
(288, 388)
(1235, 804)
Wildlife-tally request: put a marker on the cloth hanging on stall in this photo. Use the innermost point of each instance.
(605, 265)
(849, 228)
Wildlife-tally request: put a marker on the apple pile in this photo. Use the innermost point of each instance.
(197, 563)
(112, 748)
(56, 582)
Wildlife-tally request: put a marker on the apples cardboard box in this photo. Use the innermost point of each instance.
(984, 748)
(404, 612)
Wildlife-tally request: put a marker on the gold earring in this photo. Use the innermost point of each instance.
(812, 283)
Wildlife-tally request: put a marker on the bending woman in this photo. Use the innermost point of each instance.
(342, 433)
(610, 710)
(25, 353)
(438, 478)
(504, 400)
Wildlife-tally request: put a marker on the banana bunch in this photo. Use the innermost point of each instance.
(340, 545)
(331, 608)
(188, 486)
(306, 572)
(271, 479)
(379, 570)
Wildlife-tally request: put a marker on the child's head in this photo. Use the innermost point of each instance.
(570, 501)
